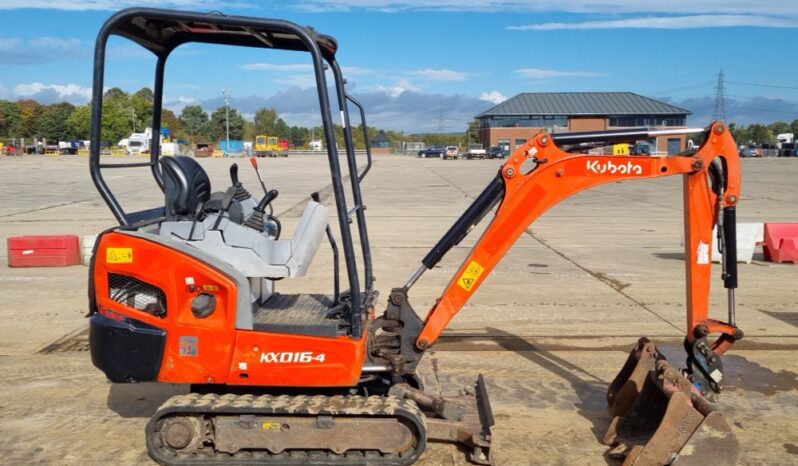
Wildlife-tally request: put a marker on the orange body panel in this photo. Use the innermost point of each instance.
(560, 175)
(220, 347)
(271, 359)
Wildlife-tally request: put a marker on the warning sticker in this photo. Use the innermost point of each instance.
(273, 426)
(702, 253)
(119, 255)
(470, 276)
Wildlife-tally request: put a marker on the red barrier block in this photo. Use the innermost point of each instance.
(43, 251)
(781, 242)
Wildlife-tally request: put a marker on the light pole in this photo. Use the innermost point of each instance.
(226, 93)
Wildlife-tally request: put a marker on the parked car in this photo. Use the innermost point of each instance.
(10, 149)
(451, 152)
(476, 151)
(434, 151)
(748, 152)
(495, 152)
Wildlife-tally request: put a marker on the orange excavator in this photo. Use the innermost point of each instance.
(186, 292)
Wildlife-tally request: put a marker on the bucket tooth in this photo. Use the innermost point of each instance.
(666, 421)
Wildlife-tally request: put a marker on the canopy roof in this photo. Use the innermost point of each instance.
(161, 31)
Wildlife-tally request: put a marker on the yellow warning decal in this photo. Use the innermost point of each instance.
(470, 275)
(119, 255)
(273, 426)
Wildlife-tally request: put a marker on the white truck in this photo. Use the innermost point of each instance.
(475, 151)
(787, 138)
(138, 143)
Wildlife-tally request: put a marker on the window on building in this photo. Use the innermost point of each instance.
(524, 121)
(647, 120)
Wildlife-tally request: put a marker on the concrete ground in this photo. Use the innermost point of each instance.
(549, 329)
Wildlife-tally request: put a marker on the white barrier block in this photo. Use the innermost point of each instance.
(748, 235)
(86, 246)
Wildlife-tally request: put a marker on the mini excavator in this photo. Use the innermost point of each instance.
(185, 292)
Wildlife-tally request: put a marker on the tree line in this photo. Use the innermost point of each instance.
(125, 113)
(762, 134)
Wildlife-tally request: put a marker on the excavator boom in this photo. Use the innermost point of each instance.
(539, 175)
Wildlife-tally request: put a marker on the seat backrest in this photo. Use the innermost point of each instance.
(186, 186)
(307, 238)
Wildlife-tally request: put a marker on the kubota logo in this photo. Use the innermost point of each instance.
(610, 167)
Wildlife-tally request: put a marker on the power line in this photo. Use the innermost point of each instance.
(774, 86)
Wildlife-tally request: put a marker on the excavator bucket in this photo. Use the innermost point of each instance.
(660, 418)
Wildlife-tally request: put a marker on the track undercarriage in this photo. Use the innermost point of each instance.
(388, 429)
(247, 429)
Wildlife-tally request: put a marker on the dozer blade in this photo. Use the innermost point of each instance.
(466, 420)
(661, 418)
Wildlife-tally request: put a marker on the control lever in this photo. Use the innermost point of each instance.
(254, 162)
(227, 200)
(255, 220)
(197, 214)
(241, 193)
(234, 174)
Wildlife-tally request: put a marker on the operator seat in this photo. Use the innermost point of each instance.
(186, 186)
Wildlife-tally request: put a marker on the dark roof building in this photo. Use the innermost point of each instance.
(510, 123)
(381, 141)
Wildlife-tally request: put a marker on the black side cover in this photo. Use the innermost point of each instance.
(126, 350)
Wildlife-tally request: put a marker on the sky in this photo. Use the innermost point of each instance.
(431, 65)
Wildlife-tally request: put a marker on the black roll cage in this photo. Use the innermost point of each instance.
(161, 32)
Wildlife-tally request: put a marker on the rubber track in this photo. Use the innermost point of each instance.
(229, 404)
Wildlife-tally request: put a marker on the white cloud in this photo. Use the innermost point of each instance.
(401, 86)
(302, 81)
(356, 70)
(181, 100)
(776, 8)
(176, 104)
(668, 22)
(299, 67)
(495, 97)
(9, 43)
(410, 111)
(280, 67)
(15, 51)
(49, 93)
(54, 43)
(537, 73)
(72, 5)
(441, 74)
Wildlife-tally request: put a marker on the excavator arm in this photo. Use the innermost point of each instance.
(659, 414)
(539, 175)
